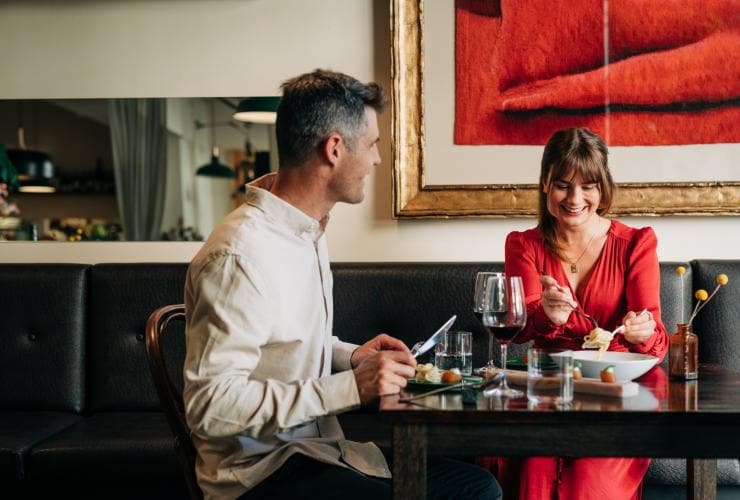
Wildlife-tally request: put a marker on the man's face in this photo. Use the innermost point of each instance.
(348, 182)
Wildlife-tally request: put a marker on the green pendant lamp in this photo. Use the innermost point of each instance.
(215, 168)
(261, 109)
(35, 168)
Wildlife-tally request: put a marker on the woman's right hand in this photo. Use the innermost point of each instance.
(555, 300)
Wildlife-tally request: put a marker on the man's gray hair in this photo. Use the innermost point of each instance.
(315, 105)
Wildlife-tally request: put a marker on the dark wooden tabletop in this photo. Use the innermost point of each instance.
(667, 418)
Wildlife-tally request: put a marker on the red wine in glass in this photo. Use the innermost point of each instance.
(483, 281)
(504, 316)
(504, 333)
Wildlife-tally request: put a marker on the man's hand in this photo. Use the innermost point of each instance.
(380, 343)
(638, 327)
(383, 372)
(555, 300)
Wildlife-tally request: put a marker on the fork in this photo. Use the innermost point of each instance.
(575, 306)
(583, 313)
(622, 327)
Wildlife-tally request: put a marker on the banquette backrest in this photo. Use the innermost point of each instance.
(718, 325)
(122, 296)
(43, 324)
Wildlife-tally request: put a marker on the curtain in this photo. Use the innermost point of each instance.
(139, 140)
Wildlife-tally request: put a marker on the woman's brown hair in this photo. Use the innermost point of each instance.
(573, 151)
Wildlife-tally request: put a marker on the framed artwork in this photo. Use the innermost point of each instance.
(445, 165)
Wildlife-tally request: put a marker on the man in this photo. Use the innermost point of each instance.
(263, 374)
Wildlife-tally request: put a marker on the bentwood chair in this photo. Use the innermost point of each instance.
(169, 394)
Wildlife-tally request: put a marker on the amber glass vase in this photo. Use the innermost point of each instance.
(683, 354)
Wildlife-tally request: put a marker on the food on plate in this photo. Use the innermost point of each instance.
(577, 374)
(427, 372)
(607, 374)
(452, 376)
(598, 338)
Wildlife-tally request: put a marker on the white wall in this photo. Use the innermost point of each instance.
(247, 47)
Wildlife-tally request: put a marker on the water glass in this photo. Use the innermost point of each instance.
(455, 351)
(549, 376)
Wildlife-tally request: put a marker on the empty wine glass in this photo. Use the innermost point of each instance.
(504, 316)
(480, 297)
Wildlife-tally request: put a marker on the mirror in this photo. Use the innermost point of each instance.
(92, 144)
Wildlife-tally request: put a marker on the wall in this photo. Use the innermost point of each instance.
(238, 48)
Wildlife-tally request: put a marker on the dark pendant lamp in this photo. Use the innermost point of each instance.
(35, 168)
(261, 109)
(215, 168)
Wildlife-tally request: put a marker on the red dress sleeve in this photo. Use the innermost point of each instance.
(642, 289)
(523, 257)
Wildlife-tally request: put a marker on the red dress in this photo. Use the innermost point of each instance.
(625, 277)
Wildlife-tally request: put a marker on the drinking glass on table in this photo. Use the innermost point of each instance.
(480, 298)
(504, 316)
(455, 350)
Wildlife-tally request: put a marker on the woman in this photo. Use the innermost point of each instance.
(577, 257)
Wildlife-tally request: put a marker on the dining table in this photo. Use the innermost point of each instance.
(696, 419)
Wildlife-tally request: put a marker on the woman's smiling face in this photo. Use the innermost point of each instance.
(572, 201)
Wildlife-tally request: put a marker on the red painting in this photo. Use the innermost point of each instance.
(638, 72)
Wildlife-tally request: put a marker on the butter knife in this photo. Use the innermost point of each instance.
(421, 348)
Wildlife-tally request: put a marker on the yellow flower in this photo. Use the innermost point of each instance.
(701, 294)
(702, 297)
(680, 270)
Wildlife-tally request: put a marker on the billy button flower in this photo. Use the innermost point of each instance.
(702, 297)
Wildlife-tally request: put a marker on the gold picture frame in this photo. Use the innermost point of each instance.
(414, 198)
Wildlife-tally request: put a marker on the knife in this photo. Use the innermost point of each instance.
(420, 348)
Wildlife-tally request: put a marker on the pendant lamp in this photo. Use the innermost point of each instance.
(35, 168)
(261, 109)
(215, 168)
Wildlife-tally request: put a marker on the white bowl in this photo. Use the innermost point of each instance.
(627, 365)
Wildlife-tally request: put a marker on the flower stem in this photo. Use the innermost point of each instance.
(693, 314)
(700, 304)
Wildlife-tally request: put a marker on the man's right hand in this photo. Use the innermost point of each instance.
(382, 373)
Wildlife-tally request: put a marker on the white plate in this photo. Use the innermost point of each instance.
(627, 365)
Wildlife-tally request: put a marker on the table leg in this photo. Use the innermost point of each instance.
(701, 479)
(409, 461)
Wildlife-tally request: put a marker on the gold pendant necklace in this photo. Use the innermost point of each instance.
(574, 264)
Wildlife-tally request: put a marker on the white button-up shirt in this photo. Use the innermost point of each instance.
(260, 351)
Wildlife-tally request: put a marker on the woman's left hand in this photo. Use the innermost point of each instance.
(638, 327)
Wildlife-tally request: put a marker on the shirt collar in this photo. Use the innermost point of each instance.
(285, 214)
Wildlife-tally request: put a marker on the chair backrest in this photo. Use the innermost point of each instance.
(169, 394)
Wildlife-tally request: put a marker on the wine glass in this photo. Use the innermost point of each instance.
(504, 316)
(480, 297)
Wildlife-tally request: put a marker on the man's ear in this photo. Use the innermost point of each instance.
(332, 148)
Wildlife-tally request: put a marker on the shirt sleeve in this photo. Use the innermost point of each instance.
(229, 323)
(342, 354)
(521, 260)
(642, 289)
